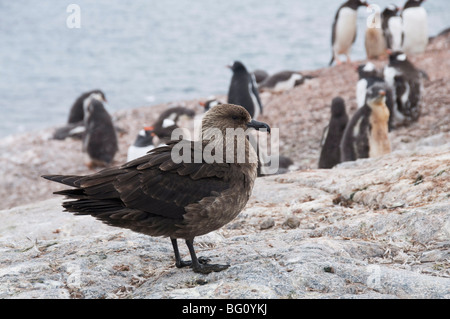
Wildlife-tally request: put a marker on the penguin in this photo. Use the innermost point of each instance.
(282, 81)
(374, 41)
(330, 154)
(160, 132)
(343, 33)
(392, 26)
(170, 119)
(142, 144)
(243, 90)
(415, 27)
(406, 83)
(260, 76)
(74, 127)
(366, 135)
(76, 113)
(73, 130)
(99, 140)
(209, 104)
(368, 76)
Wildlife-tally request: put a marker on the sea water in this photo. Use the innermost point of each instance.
(145, 52)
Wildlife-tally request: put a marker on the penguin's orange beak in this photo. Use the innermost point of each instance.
(382, 93)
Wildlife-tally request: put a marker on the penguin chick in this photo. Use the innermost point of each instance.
(406, 82)
(330, 154)
(77, 110)
(99, 139)
(368, 76)
(374, 41)
(366, 135)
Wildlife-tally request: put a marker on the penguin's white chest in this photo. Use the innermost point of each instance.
(345, 30)
(415, 30)
(361, 89)
(395, 29)
(256, 106)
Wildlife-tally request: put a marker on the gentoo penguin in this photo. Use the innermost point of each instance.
(330, 154)
(282, 81)
(99, 139)
(415, 27)
(406, 82)
(73, 130)
(160, 132)
(142, 144)
(77, 110)
(171, 119)
(374, 40)
(368, 76)
(366, 135)
(391, 23)
(260, 75)
(243, 90)
(75, 123)
(343, 34)
(209, 104)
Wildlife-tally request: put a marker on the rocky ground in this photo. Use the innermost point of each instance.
(374, 228)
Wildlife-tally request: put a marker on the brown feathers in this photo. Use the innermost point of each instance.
(160, 196)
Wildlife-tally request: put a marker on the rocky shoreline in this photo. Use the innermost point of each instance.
(373, 228)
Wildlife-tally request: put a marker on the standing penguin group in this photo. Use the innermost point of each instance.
(399, 30)
(386, 99)
(364, 135)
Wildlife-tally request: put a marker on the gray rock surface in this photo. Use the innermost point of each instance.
(366, 229)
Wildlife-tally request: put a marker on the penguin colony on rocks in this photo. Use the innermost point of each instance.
(399, 30)
(157, 196)
(386, 99)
